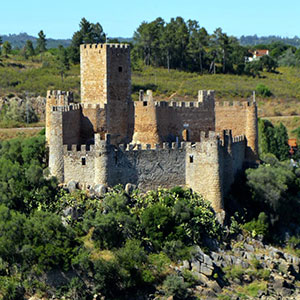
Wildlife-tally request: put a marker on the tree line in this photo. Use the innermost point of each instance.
(177, 44)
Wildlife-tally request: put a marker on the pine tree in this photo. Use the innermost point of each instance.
(6, 48)
(41, 42)
(28, 49)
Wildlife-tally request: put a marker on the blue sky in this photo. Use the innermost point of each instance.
(60, 18)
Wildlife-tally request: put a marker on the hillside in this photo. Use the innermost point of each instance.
(252, 40)
(35, 76)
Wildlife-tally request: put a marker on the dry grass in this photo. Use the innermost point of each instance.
(10, 133)
(290, 122)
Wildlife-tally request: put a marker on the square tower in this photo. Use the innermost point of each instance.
(105, 73)
(106, 80)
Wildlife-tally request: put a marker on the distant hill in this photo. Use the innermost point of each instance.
(19, 40)
(252, 40)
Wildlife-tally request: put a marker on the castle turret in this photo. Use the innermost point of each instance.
(55, 138)
(55, 98)
(146, 123)
(101, 175)
(204, 169)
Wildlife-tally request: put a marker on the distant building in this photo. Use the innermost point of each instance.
(257, 54)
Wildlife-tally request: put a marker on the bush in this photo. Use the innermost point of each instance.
(175, 286)
(263, 90)
(259, 226)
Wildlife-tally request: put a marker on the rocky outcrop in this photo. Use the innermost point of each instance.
(247, 269)
(36, 104)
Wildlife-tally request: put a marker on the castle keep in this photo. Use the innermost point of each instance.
(109, 139)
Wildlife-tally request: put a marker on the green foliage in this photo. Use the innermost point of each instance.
(17, 113)
(41, 42)
(6, 48)
(89, 33)
(176, 287)
(263, 90)
(22, 184)
(259, 226)
(273, 140)
(63, 64)
(274, 188)
(28, 50)
(234, 272)
(289, 59)
(186, 46)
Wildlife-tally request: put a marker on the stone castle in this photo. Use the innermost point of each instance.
(109, 139)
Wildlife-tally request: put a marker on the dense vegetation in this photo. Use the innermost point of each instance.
(121, 244)
(117, 243)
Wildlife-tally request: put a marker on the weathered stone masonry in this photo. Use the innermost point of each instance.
(108, 139)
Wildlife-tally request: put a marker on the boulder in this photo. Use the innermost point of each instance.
(72, 186)
(100, 190)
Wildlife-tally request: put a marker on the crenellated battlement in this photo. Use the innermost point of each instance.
(206, 95)
(82, 149)
(93, 105)
(57, 97)
(204, 98)
(103, 46)
(243, 104)
(65, 108)
(239, 138)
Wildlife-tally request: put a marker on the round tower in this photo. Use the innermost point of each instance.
(101, 159)
(55, 135)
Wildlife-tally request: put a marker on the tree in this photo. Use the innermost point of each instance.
(88, 33)
(282, 137)
(41, 42)
(0, 45)
(289, 59)
(147, 38)
(62, 61)
(272, 187)
(28, 49)
(198, 40)
(273, 139)
(269, 63)
(6, 48)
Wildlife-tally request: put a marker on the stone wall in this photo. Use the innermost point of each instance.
(157, 122)
(241, 119)
(148, 168)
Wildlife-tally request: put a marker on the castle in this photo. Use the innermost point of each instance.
(110, 139)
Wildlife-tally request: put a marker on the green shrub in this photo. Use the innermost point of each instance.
(175, 286)
(235, 272)
(259, 226)
(263, 90)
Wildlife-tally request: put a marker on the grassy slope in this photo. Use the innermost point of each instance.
(18, 75)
